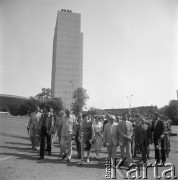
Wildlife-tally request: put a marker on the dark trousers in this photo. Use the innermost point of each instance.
(42, 144)
(160, 151)
(78, 144)
(144, 148)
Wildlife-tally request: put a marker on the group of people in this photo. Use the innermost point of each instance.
(132, 134)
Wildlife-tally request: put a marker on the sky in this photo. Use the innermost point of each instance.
(130, 47)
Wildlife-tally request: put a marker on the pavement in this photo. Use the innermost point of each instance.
(19, 162)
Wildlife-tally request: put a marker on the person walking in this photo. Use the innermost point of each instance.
(98, 128)
(158, 130)
(111, 137)
(58, 127)
(125, 130)
(33, 126)
(167, 136)
(77, 138)
(67, 132)
(143, 138)
(85, 134)
(46, 128)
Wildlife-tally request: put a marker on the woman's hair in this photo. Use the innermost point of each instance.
(84, 115)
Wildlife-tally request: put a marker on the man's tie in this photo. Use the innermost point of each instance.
(125, 128)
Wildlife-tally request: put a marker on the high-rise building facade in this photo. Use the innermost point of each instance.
(67, 64)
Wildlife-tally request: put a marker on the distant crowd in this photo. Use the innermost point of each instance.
(132, 134)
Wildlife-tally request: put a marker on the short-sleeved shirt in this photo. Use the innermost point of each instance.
(67, 125)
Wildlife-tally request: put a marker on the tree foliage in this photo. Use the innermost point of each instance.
(55, 103)
(45, 95)
(80, 97)
(29, 106)
(171, 111)
(93, 111)
(39, 100)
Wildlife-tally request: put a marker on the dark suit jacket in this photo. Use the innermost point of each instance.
(142, 134)
(158, 130)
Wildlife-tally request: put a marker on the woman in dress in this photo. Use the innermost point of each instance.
(97, 127)
(85, 135)
(58, 127)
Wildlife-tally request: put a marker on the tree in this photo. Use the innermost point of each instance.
(163, 110)
(93, 111)
(55, 103)
(80, 97)
(4, 108)
(44, 95)
(14, 109)
(172, 111)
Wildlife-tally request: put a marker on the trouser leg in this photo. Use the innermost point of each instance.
(32, 141)
(113, 156)
(163, 154)
(157, 153)
(109, 149)
(78, 145)
(69, 144)
(128, 152)
(42, 142)
(143, 150)
(122, 147)
(48, 139)
(63, 144)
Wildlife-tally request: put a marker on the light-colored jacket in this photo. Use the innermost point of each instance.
(34, 120)
(110, 134)
(125, 130)
(68, 126)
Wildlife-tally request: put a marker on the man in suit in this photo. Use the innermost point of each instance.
(46, 128)
(125, 130)
(143, 138)
(77, 139)
(110, 137)
(158, 130)
(136, 147)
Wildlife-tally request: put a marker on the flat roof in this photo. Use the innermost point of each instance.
(13, 96)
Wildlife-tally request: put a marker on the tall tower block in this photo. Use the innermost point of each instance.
(67, 63)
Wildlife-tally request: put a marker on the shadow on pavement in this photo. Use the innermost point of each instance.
(18, 143)
(13, 135)
(20, 149)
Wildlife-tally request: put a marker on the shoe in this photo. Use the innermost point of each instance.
(157, 163)
(64, 156)
(81, 162)
(68, 159)
(144, 164)
(88, 160)
(40, 158)
(97, 158)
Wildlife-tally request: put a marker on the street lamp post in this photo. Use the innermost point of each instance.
(129, 98)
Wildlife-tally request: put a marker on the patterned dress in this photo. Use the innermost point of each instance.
(86, 134)
(98, 127)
